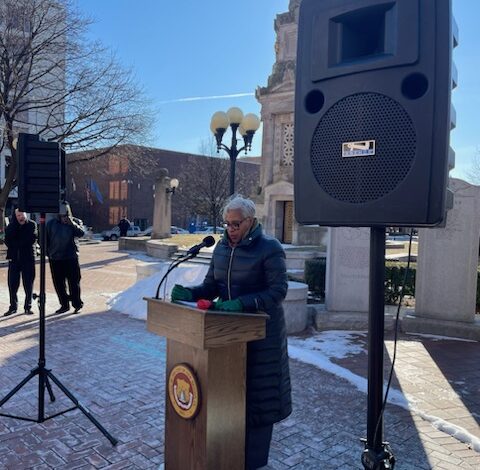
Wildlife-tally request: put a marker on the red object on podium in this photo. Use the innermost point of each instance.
(204, 304)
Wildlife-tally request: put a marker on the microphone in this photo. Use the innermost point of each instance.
(207, 241)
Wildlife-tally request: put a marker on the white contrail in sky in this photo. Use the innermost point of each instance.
(203, 98)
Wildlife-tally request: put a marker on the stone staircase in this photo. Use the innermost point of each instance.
(295, 258)
(203, 257)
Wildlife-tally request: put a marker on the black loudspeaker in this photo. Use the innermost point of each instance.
(372, 112)
(41, 169)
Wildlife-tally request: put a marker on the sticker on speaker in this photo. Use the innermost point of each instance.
(363, 148)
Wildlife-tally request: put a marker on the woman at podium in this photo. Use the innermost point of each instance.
(248, 274)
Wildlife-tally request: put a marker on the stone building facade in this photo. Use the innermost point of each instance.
(277, 100)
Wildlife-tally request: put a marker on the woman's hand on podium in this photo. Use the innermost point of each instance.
(181, 293)
(229, 305)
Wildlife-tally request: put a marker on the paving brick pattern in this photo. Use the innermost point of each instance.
(116, 369)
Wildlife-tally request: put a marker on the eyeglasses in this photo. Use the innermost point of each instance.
(233, 225)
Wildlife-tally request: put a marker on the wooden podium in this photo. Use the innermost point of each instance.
(214, 346)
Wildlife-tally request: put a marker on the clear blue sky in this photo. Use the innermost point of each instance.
(199, 49)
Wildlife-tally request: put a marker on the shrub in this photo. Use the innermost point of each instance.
(315, 275)
(315, 269)
(394, 276)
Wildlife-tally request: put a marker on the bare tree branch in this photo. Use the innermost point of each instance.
(56, 83)
(204, 184)
(473, 175)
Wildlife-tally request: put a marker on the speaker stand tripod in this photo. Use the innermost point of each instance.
(377, 454)
(44, 374)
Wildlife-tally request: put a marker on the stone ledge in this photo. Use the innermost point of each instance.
(325, 320)
(296, 257)
(409, 323)
(133, 243)
(160, 249)
(455, 329)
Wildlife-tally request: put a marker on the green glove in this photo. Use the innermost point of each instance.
(229, 305)
(181, 293)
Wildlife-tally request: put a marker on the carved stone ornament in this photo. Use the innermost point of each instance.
(287, 144)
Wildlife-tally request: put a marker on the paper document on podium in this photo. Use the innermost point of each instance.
(187, 304)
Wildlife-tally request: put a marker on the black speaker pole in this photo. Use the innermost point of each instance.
(43, 373)
(377, 454)
(42, 377)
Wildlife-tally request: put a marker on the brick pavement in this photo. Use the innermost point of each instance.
(116, 369)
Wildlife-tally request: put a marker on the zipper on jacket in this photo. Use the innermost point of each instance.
(229, 273)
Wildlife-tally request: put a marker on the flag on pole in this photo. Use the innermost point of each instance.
(94, 189)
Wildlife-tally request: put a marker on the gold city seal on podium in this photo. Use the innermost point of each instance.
(184, 391)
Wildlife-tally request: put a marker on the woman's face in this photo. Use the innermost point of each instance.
(237, 225)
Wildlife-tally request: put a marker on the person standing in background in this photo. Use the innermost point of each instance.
(62, 249)
(20, 238)
(124, 226)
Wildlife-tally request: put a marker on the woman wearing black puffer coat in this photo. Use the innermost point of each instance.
(248, 273)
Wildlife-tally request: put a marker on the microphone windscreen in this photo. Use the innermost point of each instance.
(209, 241)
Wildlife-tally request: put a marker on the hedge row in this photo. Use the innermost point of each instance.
(394, 273)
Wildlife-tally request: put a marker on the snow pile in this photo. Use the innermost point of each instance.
(131, 302)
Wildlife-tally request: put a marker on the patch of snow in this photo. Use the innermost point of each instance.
(442, 338)
(131, 302)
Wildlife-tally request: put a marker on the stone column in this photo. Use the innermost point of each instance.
(347, 276)
(446, 282)
(162, 211)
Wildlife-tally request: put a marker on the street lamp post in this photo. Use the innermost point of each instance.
(245, 125)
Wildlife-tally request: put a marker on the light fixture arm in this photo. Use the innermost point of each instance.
(173, 186)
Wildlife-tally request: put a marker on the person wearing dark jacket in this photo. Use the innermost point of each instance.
(124, 226)
(20, 238)
(62, 249)
(248, 273)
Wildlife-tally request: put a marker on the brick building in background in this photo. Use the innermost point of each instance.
(103, 188)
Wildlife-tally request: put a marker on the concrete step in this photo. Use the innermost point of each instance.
(401, 257)
(203, 257)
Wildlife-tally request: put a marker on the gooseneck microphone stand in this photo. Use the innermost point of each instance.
(191, 253)
(172, 266)
(43, 373)
(377, 454)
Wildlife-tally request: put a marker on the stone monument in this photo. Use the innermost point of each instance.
(162, 212)
(347, 276)
(446, 282)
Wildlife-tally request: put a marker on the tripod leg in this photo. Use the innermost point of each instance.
(49, 388)
(10, 394)
(82, 409)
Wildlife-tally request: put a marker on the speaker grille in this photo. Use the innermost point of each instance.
(360, 117)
